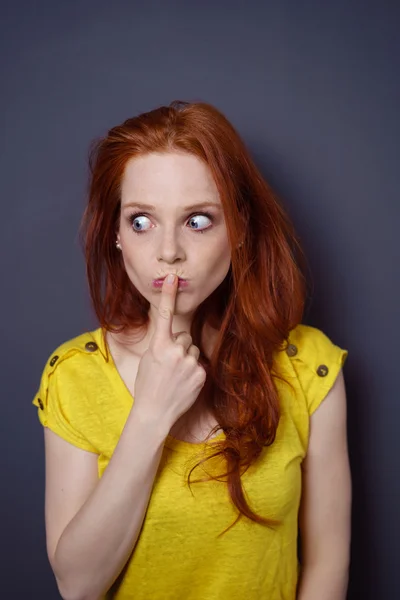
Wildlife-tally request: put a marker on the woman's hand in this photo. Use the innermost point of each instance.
(169, 377)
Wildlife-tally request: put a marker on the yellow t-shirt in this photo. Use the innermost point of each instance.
(178, 555)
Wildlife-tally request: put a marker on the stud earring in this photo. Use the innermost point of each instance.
(118, 245)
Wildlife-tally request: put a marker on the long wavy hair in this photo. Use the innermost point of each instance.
(261, 299)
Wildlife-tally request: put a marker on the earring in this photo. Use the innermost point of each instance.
(239, 245)
(118, 245)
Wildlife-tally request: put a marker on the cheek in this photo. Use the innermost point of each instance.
(220, 251)
(217, 262)
(135, 267)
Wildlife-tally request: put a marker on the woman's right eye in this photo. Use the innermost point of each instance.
(135, 220)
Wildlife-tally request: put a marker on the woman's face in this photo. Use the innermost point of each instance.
(172, 222)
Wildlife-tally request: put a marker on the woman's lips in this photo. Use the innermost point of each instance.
(182, 283)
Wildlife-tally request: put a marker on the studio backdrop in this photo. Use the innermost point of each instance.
(313, 88)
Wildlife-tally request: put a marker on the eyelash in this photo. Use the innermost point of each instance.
(134, 216)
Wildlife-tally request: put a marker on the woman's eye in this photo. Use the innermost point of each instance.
(198, 221)
(137, 220)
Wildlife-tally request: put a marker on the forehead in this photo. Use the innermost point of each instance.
(167, 175)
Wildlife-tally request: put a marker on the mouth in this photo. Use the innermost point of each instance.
(162, 278)
(158, 283)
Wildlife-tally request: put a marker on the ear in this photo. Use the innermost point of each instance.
(116, 232)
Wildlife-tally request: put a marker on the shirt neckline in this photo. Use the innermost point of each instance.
(170, 441)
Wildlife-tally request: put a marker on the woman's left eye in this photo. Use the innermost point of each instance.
(196, 217)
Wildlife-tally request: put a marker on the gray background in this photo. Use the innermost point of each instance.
(313, 88)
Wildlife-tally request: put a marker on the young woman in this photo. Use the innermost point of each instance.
(193, 434)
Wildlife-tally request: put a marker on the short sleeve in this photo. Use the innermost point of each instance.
(53, 400)
(317, 362)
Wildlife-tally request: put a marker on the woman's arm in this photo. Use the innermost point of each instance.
(92, 525)
(326, 502)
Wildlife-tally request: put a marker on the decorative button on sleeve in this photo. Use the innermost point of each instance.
(91, 346)
(322, 371)
(291, 350)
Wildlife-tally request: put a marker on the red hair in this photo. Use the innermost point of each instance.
(261, 299)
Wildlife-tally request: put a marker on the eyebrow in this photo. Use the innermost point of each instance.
(142, 206)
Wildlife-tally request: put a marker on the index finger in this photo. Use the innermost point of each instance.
(166, 309)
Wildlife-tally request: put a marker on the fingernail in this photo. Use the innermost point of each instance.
(171, 278)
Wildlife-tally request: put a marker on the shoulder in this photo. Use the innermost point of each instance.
(65, 397)
(87, 343)
(310, 341)
(76, 351)
(73, 361)
(315, 361)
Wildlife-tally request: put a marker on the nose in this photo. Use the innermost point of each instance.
(170, 249)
